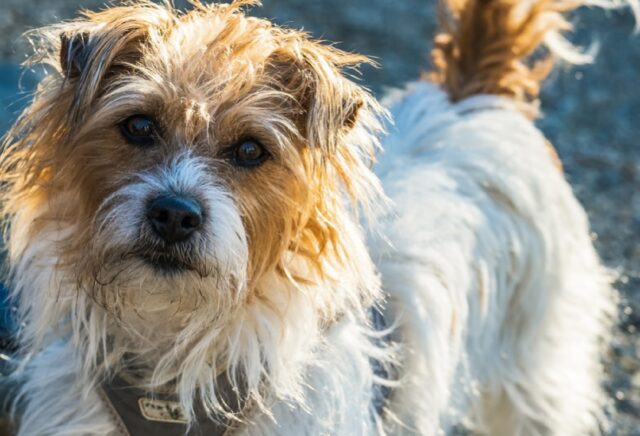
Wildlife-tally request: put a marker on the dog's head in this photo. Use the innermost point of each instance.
(192, 160)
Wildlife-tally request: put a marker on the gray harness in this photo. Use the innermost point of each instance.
(139, 412)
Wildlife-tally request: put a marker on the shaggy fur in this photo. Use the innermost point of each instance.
(491, 279)
(280, 265)
(502, 304)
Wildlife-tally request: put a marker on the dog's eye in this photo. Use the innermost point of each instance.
(138, 130)
(249, 153)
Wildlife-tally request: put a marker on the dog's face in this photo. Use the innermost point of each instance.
(197, 154)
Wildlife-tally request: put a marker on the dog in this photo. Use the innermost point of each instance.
(198, 243)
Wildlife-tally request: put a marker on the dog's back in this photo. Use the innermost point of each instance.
(500, 297)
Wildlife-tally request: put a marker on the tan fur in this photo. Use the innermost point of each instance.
(211, 87)
(209, 78)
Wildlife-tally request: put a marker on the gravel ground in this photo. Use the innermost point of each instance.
(591, 115)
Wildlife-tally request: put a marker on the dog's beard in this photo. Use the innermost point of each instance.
(126, 268)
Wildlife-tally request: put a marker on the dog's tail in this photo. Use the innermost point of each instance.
(505, 47)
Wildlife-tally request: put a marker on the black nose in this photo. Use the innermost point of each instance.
(174, 218)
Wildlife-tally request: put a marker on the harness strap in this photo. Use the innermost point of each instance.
(138, 412)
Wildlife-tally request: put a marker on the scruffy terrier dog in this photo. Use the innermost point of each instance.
(184, 196)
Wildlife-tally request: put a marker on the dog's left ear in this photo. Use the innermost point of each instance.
(339, 121)
(329, 104)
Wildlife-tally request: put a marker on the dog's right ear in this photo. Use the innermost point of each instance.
(73, 51)
(103, 46)
(90, 59)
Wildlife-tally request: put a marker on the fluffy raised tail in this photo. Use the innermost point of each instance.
(492, 46)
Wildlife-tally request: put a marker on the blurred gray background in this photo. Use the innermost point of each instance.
(591, 114)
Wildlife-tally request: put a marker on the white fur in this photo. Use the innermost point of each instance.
(499, 294)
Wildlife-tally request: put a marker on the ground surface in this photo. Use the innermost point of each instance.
(592, 115)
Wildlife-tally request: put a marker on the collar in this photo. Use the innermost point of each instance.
(137, 411)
